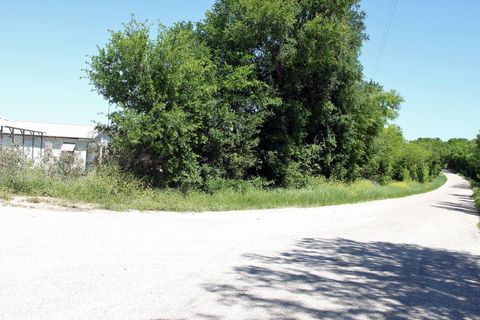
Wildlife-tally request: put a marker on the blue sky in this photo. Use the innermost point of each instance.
(431, 57)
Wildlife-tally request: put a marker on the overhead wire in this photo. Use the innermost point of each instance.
(386, 32)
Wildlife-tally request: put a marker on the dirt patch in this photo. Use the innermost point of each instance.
(46, 203)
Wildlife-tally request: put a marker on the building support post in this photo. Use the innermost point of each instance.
(41, 146)
(33, 146)
(23, 143)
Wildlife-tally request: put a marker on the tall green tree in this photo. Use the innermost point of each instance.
(270, 88)
(179, 118)
(462, 157)
(307, 51)
(477, 140)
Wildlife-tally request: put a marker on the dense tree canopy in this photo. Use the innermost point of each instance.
(180, 118)
(458, 154)
(307, 52)
(259, 88)
(463, 155)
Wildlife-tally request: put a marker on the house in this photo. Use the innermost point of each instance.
(40, 139)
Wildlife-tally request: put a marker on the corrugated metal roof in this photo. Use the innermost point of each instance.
(55, 129)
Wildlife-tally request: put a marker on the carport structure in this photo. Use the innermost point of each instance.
(11, 132)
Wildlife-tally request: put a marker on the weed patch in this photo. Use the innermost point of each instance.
(5, 195)
(110, 188)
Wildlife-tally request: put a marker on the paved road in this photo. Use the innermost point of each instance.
(410, 258)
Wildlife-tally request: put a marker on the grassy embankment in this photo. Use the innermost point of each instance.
(116, 191)
(476, 194)
(476, 197)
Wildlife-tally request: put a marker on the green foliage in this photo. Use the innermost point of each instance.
(436, 149)
(12, 164)
(477, 142)
(476, 198)
(463, 156)
(458, 154)
(180, 119)
(271, 89)
(307, 51)
(396, 159)
(111, 188)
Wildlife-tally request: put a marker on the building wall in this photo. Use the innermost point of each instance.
(35, 153)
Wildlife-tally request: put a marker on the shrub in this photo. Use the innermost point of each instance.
(12, 163)
(214, 185)
(424, 174)
(295, 177)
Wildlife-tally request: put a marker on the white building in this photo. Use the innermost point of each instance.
(34, 138)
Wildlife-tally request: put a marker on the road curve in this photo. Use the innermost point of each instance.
(411, 258)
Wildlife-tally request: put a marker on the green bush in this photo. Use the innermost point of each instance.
(214, 185)
(295, 177)
(12, 163)
(404, 174)
(424, 174)
(396, 159)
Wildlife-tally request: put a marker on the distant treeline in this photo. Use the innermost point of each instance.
(459, 155)
(264, 90)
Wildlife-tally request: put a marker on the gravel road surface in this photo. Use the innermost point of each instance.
(409, 258)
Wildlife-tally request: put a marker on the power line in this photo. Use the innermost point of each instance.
(386, 31)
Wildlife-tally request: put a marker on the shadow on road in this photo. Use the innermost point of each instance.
(462, 205)
(374, 280)
(461, 202)
(462, 185)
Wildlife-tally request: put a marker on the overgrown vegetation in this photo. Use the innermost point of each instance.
(111, 188)
(5, 194)
(476, 197)
(262, 104)
(270, 90)
(459, 155)
(464, 156)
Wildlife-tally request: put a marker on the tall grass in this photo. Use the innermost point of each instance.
(476, 197)
(109, 188)
(475, 184)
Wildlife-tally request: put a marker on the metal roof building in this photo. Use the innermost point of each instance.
(36, 139)
(54, 129)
